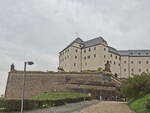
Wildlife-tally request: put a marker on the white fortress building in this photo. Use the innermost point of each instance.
(94, 54)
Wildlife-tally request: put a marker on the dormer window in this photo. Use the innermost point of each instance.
(147, 53)
(139, 53)
(131, 53)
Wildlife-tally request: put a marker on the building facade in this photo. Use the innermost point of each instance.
(94, 54)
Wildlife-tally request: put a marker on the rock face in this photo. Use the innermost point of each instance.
(42, 82)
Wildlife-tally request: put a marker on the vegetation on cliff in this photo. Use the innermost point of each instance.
(140, 105)
(137, 89)
(42, 101)
(136, 86)
(58, 96)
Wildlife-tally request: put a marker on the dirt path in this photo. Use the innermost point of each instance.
(107, 107)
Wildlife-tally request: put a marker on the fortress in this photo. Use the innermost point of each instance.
(42, 82)
(80, 56)
(94, 54)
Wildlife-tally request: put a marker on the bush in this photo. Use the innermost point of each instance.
(137, 86)
(29, 104)
(148, 103)
(140, 105)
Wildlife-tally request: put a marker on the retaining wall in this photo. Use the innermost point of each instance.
(39, 82)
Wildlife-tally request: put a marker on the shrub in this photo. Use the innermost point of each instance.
(29, 104)
(148, 103)
(136, 86)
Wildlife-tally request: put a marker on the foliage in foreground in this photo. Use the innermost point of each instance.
(136, 86)
(140, 105)
(58, 96)
(43, 101)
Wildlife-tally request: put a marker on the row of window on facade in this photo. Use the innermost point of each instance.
(139, 53)
(76, 64)
(140, 70)
(64, 52)
(116, 57)
(140, 62)
(76, 50)
(89, 49)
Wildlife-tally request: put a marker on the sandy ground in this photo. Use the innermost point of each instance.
(107, 107)
(93, 106)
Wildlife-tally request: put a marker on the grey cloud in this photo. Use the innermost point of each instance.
(38, 29)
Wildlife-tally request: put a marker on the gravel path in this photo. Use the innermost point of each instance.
(107, 107)
(69, 108)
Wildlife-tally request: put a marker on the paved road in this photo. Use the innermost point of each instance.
(107, 107)
(69, 108)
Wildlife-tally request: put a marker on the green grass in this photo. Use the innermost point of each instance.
(58, 96)
(138, 105)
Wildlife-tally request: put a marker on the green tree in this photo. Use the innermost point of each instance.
(136, 86)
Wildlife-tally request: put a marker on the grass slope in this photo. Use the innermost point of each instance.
(138, 105)
(58, 96)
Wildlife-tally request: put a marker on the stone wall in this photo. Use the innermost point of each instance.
(39, 82)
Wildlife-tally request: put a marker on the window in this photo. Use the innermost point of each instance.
(110, 62)
(74, 64)
(139, 62)
(104, 49)
(147, 53)
(132, 69)
(147, 62)
(104, 56)
(119, 64)
(76, 50)
(68, 50)
(114, 63)
(84, 50)
(94, 55)
(75, 57)
(119, 58)
(131, 62)
(88, 57)
(140, 70)
(125, 62)
(94, 48)
(147, 70)
(89, 49)
(125, 70)
(116, 57)
(68, 56)
(85, 58)
(111, 55)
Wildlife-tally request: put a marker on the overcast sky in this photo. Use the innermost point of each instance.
(38, 29)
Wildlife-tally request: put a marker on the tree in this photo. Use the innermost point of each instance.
(136, 86)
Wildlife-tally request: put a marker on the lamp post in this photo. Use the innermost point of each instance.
(25, 66)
